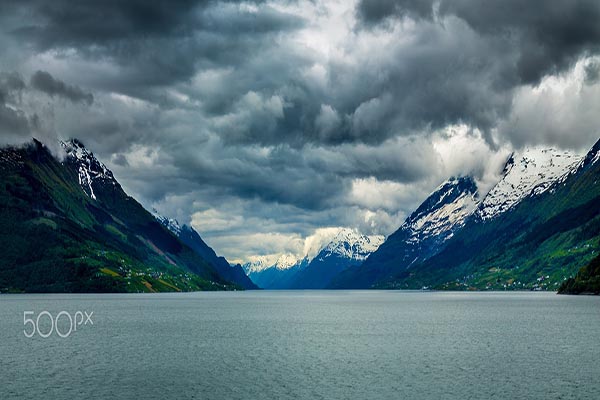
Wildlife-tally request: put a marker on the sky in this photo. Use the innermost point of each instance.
(266, 124)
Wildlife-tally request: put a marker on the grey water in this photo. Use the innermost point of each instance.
(304, 345)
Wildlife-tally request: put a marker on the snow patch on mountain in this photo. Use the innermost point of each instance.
(279, 262)
(90, 169)
(446, 209)
(350, 244)
(532, 171)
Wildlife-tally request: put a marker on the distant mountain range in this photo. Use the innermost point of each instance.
(534, 229)
(347, 248)
(68, 226)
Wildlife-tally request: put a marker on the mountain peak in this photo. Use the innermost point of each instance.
(170, 223)
(591, 157)
(279, 262)
(90, 170)
(348, 243)
(448, 206)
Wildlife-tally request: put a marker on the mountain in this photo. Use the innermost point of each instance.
(68, 226)
(280, 273)
(189, 236)
(347, 248)
(453, 209)
(535, 243)
(419, 237)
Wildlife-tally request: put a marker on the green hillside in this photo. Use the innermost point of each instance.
(587, 280)
(537, 245)
(55, 238)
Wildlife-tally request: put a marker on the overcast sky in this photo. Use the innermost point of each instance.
(261, 122)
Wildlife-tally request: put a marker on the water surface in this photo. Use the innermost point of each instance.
(306, 345)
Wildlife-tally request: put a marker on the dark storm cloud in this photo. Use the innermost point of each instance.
(373, 12)
(469, 56)
(153, 43)
(592, 73)
(548, 36)
(13, 121)
(68, 24)
(43, 81)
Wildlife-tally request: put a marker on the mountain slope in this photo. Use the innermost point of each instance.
(534, 170)
(454, 207)
(537, 244)
(69, 227)
(192, 239)
(421, 235)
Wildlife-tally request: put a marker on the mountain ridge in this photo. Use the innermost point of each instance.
(528, 173)
(536, 244)
(70, 227)
(189, 236)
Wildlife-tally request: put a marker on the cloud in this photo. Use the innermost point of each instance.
(592, 73)
(44, 82)
(561, 110)
(327, 121)
(469, 57)
(14, 123)
(148, 45)
(545, 37)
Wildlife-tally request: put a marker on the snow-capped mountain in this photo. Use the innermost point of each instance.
(351, 245)
(91, 171)
(421, 235)
(261, 263)
(273, 272)
(454, 205)
(532, 171)
(347, 247)
(542, 223)
(257, 264)
(445, 209)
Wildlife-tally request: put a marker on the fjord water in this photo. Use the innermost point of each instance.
(306, 345)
